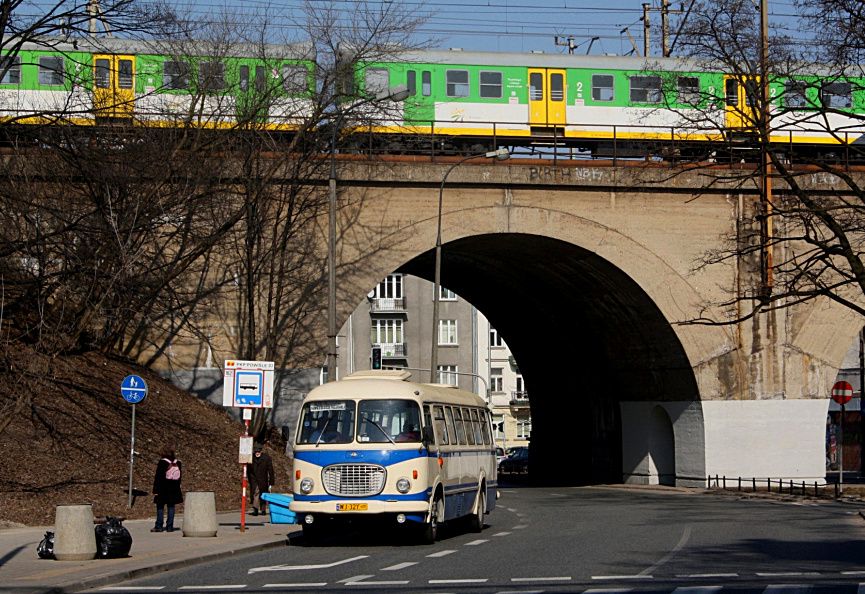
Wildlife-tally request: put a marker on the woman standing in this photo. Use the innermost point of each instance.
(166, 490)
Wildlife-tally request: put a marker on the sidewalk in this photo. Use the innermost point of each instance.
(23, 572)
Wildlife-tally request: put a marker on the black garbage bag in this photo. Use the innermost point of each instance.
(112, 539)
(45, 549)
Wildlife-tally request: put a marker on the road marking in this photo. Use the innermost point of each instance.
(510, 509)
(502, 533)
(860, 589)
(686, 535)
(790, 574)
(708, 575)
(296, 585)
(475, 543)
(132, 588)
(355, 578)
(464, 581)
(302, 567)
(383, 583)
(520, 592)
(787, 589)
(853, 573)
(219, 587)
(541, 579)
(521, 526)
(607, 590)
(698, 589)
(399, 566)
(441, 554)
(622, 577)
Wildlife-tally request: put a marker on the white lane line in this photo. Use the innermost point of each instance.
(399, 566)
(521, 526)
(541, 579)
(441, 554)
(787, 589)
(302, 567)
(475, 543)
(219, 587)
(502, 533)
(296, 585)
(686, 535)
(382, 583)
(132, 588)
(622, 577)
(510, 509)
(694, 576)
(790, 574)
(520, 592)
(860, 589)
(698, 589)
(354, 578)
(853, 573)
(607, 591)
(464, 581)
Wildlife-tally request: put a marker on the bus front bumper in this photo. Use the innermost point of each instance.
(358, 506)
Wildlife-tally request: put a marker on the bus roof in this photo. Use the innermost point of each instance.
(383, 384)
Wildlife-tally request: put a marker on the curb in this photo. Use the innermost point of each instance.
(107, 580)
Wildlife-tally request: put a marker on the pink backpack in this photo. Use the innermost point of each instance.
(173, 472)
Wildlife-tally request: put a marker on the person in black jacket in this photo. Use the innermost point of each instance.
(261, 479)
(166, 490)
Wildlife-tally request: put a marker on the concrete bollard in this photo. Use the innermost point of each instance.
(74, 535)
(199, 514)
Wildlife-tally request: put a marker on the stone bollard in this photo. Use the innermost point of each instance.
(74, 535)
(199, 514)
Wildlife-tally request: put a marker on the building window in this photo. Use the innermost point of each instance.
(52, 71)
(524, 429)
(496, 379)
(386, 331)
(646, 89)
(491, 84)
(602, 87)
(175, 75)
(448, 332)
(446, 294)
(495, 339)
(688, 90)
(795, 94)
(520, 386)
(458, 83)
(376, 80)
(498, 427)
(211, 76)
(12, 66)
(295, 80)
(390, 288)
(837, 94)
(447, 374)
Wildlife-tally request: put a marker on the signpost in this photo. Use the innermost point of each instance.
(134, 390)
(247, 385)
(842, 393)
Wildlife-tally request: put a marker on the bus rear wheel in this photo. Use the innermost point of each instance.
(431, 528)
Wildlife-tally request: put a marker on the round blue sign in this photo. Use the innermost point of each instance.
(133, 389)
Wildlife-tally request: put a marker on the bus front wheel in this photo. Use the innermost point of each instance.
(476, 522)
(431, 528)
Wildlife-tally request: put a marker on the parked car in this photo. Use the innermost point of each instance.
(500, 454)
(518, 461)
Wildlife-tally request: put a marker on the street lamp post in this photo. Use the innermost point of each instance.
(500, 155)
(396, 93)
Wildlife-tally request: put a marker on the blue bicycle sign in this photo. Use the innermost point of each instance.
(133, 389)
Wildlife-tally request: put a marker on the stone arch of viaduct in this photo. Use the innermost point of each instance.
(589, 275)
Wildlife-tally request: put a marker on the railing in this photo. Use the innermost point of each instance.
(519, 398)
(388, 304)
(391, 349)
(772, 485)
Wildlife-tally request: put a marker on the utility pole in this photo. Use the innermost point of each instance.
(625, 30)
(767, 255)
(645, 20)
(665, 12)
(94, 10)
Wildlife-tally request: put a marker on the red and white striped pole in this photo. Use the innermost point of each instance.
(243, 498)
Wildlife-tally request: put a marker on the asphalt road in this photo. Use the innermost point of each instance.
(597, 540)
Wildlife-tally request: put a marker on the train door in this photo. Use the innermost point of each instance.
(740, 96)
(547, 97)
(113, 85)
(420, 106)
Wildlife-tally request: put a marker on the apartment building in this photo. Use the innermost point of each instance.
(396, 317)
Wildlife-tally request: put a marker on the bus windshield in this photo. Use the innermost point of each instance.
(388, 421)
(327, 421)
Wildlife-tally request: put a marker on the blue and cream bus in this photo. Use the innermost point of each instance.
(377, 447)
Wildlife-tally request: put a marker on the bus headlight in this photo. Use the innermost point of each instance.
(306, 485)
(403, 485)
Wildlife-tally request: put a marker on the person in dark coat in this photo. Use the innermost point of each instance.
(166, 490)
(261, 479)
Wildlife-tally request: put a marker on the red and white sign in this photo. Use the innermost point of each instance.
(842, 392)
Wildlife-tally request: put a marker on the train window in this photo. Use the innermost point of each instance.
(458, 83)
(688, 88)
(376, 80)
(411, 82)
(837, 94)
(602, 87)
(244, 78)
(557, 87)
(11, 68)
(646, 89)
(731, 92)
(426, 83)
(211, 76)
(752, 92)
(536, 86)
(52, 70)
(295, 79)
(103, 73)
(175, 75)
(796, 94)
(260, 79)
(491, 84)
(124, 74)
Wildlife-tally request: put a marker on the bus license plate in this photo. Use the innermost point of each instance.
(351, 506)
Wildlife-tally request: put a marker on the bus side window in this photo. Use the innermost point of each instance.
(449, 417)
(467, 422)
(460, 425)
(440, 428)
(485, 427)
(477, 427)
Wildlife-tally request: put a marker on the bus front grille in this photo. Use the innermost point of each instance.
(353, 480)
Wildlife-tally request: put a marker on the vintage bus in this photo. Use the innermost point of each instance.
(377, 447)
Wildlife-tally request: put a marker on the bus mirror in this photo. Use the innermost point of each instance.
(428, 436)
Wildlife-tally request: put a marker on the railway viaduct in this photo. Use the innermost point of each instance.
(589, 273)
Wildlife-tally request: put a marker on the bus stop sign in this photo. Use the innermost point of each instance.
(842, 392)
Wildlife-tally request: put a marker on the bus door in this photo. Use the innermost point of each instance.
(547, 97)
(113, 85)
(740, 98)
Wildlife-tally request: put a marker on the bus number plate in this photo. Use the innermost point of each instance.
(351, 506)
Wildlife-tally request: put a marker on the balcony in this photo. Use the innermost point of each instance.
(387, 304)
(519, 399)
(391, 349)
